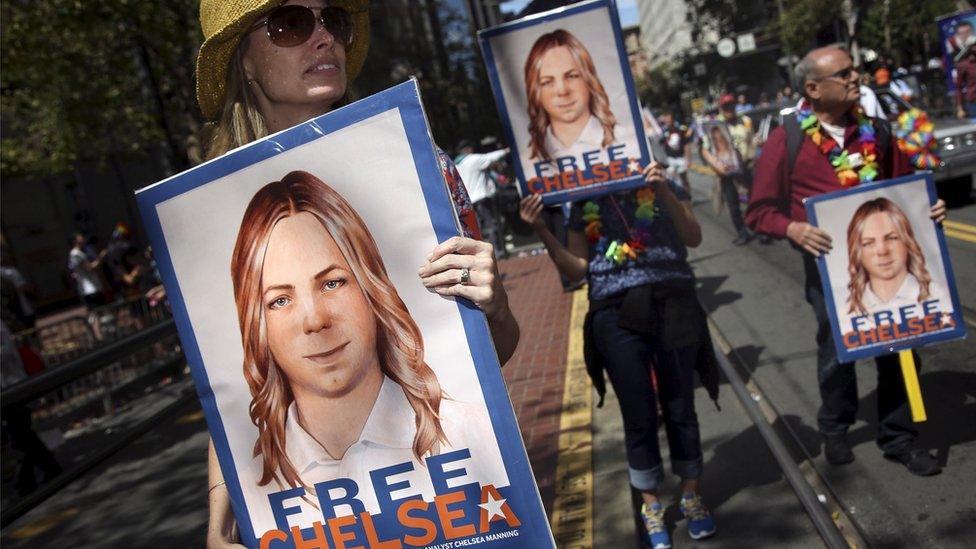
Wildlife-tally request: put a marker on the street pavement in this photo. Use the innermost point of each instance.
(153, 493)
(755, 295)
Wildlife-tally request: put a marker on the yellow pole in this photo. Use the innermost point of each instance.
(912, 387)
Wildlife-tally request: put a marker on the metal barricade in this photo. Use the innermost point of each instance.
(77, 335)
(123, 371)
(61, 341)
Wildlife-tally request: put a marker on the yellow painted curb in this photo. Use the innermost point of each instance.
(572, 513)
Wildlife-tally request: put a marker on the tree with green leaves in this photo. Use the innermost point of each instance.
(904, 30)
(88, 80)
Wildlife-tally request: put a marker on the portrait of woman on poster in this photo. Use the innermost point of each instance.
(333, 359)
(720, 150)
(886, 265)
(568, 107)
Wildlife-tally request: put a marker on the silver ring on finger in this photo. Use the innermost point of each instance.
(465, 275)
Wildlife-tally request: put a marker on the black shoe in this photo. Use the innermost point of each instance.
(743, 238)
(917, 461)
(836, 449)
(765, 239)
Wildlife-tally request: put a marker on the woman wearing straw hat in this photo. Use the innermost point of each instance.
(267, 65)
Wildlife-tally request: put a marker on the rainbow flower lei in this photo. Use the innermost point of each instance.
(640, 234)
(839, 158)
(916, 139)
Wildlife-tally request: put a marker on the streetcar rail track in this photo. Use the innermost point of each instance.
(829, 516)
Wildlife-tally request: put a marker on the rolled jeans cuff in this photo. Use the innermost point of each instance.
(833, 430)
(646, 480)
(688, 469)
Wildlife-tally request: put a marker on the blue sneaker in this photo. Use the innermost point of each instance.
(657, 532)
(701, 524)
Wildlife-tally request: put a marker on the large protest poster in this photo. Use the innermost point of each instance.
(565, 93)
(887, 280)
(291, 265)
(956, 34)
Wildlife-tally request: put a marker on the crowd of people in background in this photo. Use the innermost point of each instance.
(119, 270)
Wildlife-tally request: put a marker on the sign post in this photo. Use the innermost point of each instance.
(912, 387)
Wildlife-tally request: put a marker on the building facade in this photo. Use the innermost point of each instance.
(665, 29)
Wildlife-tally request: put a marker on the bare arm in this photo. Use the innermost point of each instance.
(570, 261)
(712, 162)
(682, 215)
(222, 528)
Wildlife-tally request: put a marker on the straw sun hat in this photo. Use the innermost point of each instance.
(224, 23)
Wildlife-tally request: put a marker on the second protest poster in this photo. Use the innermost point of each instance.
(566, 96)
(887, 280)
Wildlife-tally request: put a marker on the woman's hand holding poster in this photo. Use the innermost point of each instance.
(349, 406)
(887, 279)
(563, 87)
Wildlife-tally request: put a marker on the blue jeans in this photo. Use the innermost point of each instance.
(627, 356)
(838, 381)
(731, 194)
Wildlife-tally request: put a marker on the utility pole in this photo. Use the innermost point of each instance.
(787, 54)
(887, 26)
(850, 19)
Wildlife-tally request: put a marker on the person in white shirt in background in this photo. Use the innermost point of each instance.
(85, 273)
(473, 168)
(870, 104)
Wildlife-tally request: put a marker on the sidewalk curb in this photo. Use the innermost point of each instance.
(572, 513)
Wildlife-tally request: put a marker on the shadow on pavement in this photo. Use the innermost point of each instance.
(946, 426)
(709, 295)
(744, 461)
(153, 494)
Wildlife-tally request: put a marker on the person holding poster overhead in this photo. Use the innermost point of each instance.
(265, 66)
(631, 247)
(567, 102)
(831, 144)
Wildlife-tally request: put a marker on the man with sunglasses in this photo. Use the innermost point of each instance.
(793, 167)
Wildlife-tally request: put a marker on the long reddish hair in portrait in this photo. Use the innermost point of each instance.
(538, 118)
(400, 345)
(859, 277)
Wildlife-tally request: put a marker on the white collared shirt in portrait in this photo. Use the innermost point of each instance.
(591, 139)
(907, 294)
(386, 440)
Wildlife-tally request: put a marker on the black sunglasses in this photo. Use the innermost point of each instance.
(843, 74)
(292, 25)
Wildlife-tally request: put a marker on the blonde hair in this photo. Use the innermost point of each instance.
(538, 117)
(859, 277)
(239, 122)
(400, 345)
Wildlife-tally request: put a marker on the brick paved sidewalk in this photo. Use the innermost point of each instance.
(536, 373)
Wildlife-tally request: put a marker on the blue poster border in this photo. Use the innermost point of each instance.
(957, 332)
(567, 195)
(405, 97)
